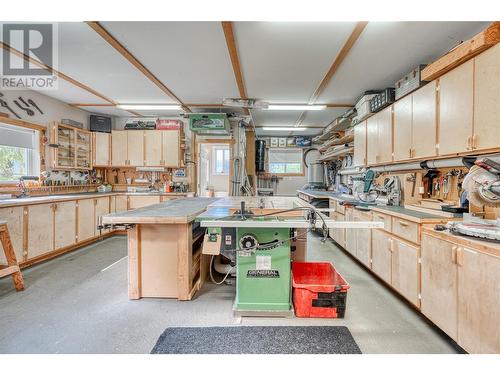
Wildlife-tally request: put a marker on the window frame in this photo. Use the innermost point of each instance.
(293, 174)
(214, 160)
(34, 154)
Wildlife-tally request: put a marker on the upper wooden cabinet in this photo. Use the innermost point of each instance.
(384, 127)
(371, 140)
(102, 149)
(403, 128)
(486, 133)
(360, 144)
(424, 131)
(456, 109)
(73, 148)
(153, 148)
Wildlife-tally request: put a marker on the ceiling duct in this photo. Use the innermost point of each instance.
(245, 103)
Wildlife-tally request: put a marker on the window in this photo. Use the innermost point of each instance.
(19, 153)
(221, 161)
(285, 161)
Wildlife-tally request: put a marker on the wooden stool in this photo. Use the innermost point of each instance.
(12, 266)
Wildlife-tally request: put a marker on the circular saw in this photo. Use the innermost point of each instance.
(482, 183)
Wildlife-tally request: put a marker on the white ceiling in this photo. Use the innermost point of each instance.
(281, 62)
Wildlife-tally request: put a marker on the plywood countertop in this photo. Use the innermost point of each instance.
(487, 247)
(179, 211)
(71, 197)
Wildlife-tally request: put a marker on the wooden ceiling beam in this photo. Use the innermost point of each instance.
(99, 29)
(227, 27)
(344, 51)
(55, 72)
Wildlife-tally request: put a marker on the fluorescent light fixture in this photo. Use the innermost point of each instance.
(149, 107)
(291, 107)
(282, 128)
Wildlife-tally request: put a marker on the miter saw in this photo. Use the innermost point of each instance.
(367, 191)
(482, 185)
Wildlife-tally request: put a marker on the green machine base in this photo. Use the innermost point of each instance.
(263, 281)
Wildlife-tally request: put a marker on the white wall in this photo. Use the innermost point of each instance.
(53, 109)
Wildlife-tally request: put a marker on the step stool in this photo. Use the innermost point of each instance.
(12, 268)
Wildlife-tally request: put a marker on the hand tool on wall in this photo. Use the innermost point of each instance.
(4, 104)
(412, 178)
(23, 101)
(430, 176)
(34, 105)
(27, 110)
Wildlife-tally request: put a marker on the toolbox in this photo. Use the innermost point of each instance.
(382, 100)
(363, 105)
(319, 291)
(410, 82)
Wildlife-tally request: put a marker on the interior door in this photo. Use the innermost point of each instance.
(487, 99)
(424, 121)
(455, 109)
(403, 128)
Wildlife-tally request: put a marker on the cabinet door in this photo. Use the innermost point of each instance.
(171, 148)
(119, 156)
(424, 121)
(487, 99)
(384, 125)
(439, 283)
(121, 203)
(86, 224)
(403, 128)
(101, 208)
(364, 240)
(478, 302)
(41, 229)
(455, 109)
(14, 217)
(405, 270)
(360, 144)
(135, 148)
(381, 254)
(64, 224)
(372, 140)
(101, 149)
(153, 147)
(138, 201)
(350, 234)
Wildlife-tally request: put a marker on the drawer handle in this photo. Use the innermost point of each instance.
(454, 254)
(403, 224)
(381, 217)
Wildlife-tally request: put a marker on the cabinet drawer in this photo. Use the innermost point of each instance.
(332, 203)
(340, 208)
(405, 229)
(377, 216)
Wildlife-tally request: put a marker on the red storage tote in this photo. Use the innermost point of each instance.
(319, 291)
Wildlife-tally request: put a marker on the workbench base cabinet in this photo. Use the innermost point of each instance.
(165, 261)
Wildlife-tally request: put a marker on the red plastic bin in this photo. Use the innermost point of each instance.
(319, 291)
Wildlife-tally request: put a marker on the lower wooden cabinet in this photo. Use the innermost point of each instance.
(85, 219)
(41, 229)
(478, 301)
(15, 218)
(338, 234)
(101, 208)
(404, 270)
(64, 224)
(350, 234)
(382, 254)
(121, 203)
(138, 201)
(364, 240)
(439, 284)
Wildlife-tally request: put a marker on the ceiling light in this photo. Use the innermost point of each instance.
(282, 128)
(149, 107)
(291, 107)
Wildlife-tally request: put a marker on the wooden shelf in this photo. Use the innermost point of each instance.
(337, 141)
(337, 153)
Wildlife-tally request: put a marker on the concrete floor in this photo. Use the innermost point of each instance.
(78, 304)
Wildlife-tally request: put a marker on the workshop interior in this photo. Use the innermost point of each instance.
(250, 187)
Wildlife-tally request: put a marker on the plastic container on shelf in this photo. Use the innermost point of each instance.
(319, 291)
